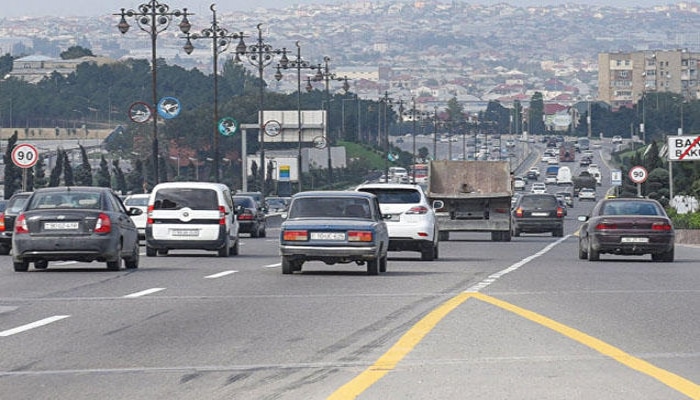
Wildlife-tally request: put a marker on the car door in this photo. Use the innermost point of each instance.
(124, 221)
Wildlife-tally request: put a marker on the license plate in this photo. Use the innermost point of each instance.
(394, 217)
(60, 225)
(540, 214)
(634, 240)
(327, 236)
(185, 232)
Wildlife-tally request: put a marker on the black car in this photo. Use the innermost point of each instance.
(7, 219)
(537, 213)
(531, 175)
(251, 218)
(75, 224)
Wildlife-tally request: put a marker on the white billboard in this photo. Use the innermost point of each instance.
(684, 148)
(312, 125)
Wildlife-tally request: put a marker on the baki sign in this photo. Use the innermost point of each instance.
(684, 148)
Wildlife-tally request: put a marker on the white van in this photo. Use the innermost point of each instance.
(191, 215)
(564, 176)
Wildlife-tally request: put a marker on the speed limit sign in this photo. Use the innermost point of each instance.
(638, 174)
(25, 155)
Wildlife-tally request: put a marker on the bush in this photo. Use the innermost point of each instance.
(684, 221)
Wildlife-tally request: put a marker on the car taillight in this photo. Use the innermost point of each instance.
(21, 224)
(222, 215)
(560, 212)
(359, 236)
(605, 226)
(246, 215)
(295, 235)
(519, 212)
(149, 215)
(418, 210)
(661, 226)
(2, 222)
(103, 224)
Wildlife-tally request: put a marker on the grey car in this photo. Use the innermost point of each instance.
(75, 224)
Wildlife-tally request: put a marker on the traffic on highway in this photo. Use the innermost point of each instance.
(493, 315)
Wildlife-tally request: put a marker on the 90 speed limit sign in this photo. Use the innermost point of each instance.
(25, 155)
(638, 174)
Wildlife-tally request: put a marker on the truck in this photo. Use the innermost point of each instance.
(584, 180)
(567, 152)
(471, 196)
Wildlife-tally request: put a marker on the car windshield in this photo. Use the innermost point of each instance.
(630, 208)
(178, 198)
(394, 196)
(63, 200)
(330, 207)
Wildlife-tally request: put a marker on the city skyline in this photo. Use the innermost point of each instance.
(91, 8)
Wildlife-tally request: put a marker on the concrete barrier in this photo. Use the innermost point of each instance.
(688, 236)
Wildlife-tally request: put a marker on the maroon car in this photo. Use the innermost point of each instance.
(626, 227)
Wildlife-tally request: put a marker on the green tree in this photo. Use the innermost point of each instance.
(55, 176)
(135, 178)
(104, 178)
(68, 176)
(120, 180)
(535, 114)
(83, 173)
(40, 180)
(13, 174)
(74, 52)
(6, 64)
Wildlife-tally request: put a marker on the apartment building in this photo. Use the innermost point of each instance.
(623, 78)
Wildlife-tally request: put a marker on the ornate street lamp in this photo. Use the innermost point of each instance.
(324, 74)
(260, 55)
(153, 18)
(221, 39)
(297, 64)
(386, 100)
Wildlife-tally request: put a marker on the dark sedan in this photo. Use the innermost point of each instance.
(627, 227)
(538, 213)
(334, 227)
(251, 217)
(75, 224)
(7, 219)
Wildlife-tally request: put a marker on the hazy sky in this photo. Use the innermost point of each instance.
(15, 8)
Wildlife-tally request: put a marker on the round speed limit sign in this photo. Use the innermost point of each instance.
(638, 174)
(25, 155)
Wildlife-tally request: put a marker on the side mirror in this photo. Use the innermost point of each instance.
(438, 204)
(582, 218)
(284, 215)
(133, 211)
(238, 210)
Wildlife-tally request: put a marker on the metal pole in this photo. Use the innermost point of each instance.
(327, 120)
(413, 118)
(435, 134)
(299, 161)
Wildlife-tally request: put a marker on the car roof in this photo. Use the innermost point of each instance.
(332, 193)
(389, 186)
(138, 195)
(63, 189)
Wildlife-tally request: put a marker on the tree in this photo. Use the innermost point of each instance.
(40, 180)
(536, 114)
(83, 174)
(423, 153)
(68, 176)
(104, 179)
(135, 178)
(120, 181)
(55, 177)
(74, 52)
(13, 174)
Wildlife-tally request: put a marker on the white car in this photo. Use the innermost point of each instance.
(538, 188)
(617, 139)
(518, 183)
(139, 201)
(586, 194)
(409, 217)
(536, 170)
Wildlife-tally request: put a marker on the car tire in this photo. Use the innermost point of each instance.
(163, 252)
(373, 267)
(444, 236)
(382, 264)
(559, 232)
(516, 232)
(225, 250)
(287, 267)
(593, 255)
(234, 248)
(667, 256)
(114, 265)
(436, 251)
(5, 250)
(133, 261)
(151, 252)
(297, 265)
(41, 264)
(254, 231)
(582, 254)
(263, 232)
(21, 266)
(427, 253)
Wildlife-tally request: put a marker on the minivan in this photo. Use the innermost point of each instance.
(191, 215)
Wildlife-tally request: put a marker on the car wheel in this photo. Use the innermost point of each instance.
(133, 261)
(559, 232)
(21, 266)
(254, 231)
(116, 264)
(263, 232)
(582, 254)
(382, 264)
(297, 265)
(234, 248)
(444, 236)
(436, 252)
(516, 232)
(151, 252)
(427, 253)
(224, 251)
(41, 264)
(593, 255)
(373, 267)
(287, 267)
(665, 256)
(5, 250)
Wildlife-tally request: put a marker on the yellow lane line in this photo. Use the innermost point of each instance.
(388, 361)
(671, 380)
(398, 351)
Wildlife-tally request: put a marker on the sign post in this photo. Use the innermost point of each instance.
(25, 156)
(638, 175)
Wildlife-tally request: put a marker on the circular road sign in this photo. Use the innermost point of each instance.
(169, 107)
(25, 155)
(228, 126)
(273, 128)
(320, 142)
(140, 112)
(638, 174)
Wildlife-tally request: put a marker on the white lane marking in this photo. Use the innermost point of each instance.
(143, 293)
(220, 274)
(33, 325)
(494, 277)
(273, 265)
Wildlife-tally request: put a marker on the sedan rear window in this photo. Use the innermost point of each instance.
(175, 199)
(330, 207)
(630, 208)
(394, 196)
(538, 202)
(65, 200)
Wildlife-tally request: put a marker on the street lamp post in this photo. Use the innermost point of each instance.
(260, 55)
(385, 101)
(435, 125)
(221, 39)
(324, 74)
(154, 17)
(297, 64)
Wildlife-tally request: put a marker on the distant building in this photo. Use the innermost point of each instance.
(34, 68)
(623, 78)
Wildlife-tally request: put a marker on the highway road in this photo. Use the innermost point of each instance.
(488, 320)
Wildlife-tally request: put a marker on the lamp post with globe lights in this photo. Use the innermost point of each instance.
(154, 17)
(260, 54)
